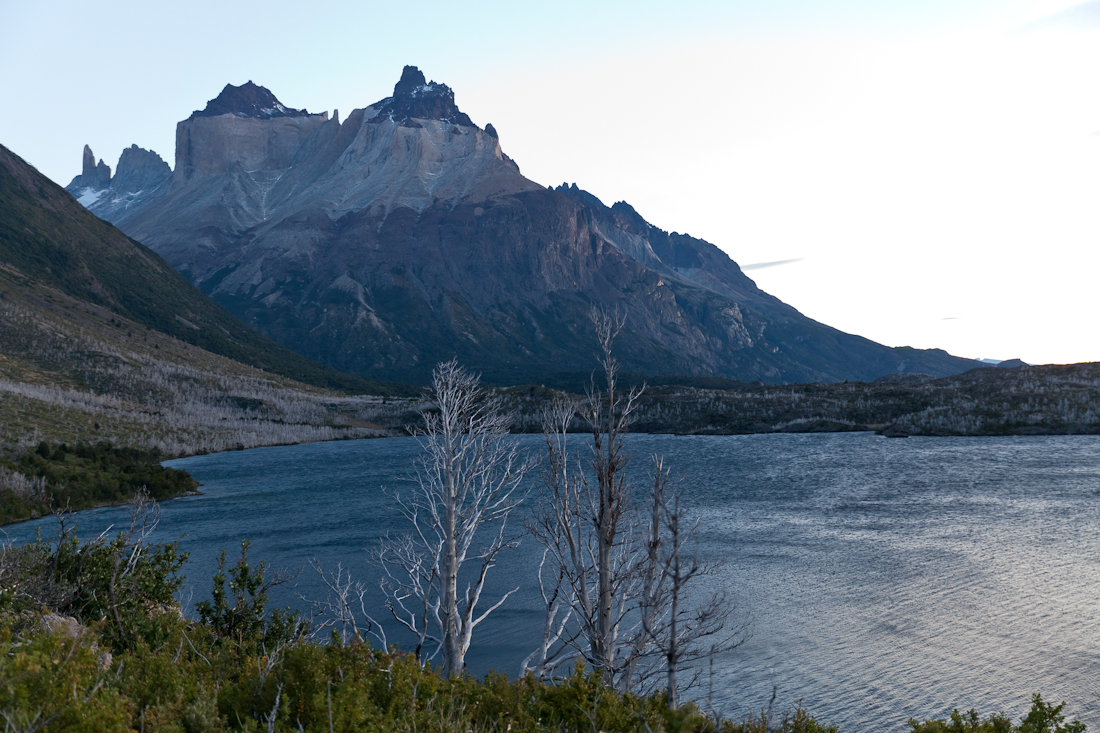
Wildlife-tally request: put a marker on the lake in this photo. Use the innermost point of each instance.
(882, 578)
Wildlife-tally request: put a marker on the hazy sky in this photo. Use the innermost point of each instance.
(922, 173)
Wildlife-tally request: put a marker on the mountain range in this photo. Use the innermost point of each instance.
(102, 340)
(404, 235)
(48, 241)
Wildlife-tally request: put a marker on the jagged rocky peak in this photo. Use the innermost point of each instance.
(248, 100)
(140, 170)
(92, 174)
(572, 189)
(415, 98)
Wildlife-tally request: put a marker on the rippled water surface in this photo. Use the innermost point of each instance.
(883, 578)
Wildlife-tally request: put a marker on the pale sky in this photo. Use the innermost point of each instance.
(928, 172)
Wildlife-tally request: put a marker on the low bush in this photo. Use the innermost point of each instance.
(1042, 718)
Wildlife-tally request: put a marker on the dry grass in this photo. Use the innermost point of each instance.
(71, 371)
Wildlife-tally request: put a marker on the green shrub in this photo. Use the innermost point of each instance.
(126, 587)
(798, 721)
(54, 681)
(1042, 718)
(85, 476)
(239, 615)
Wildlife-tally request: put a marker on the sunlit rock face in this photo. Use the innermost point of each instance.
(245, 127)
(404, 235)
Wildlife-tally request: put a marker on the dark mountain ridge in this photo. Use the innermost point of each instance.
(415, 98)
(405, 235)
(247, 100)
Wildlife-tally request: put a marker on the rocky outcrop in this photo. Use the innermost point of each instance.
(404, 235)
(140, 177)
(210, 146)
(139, 170)
(247, 100)
(244, 128)
(92, 176)
(414, 99)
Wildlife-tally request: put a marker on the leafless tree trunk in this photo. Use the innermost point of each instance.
(467, 478)
(683, 633)
(614, 580)
(584, 526)
(558, 526)
(608, 414)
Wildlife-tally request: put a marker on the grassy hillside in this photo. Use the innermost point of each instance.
(71, 371)
(76, 374)
(110, 362)
(50, 239)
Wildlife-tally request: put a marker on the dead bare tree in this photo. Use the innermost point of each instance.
(559, 526)
(468, 478)
(614, 581)
(682, 633)
(584, 527)
(609, 414)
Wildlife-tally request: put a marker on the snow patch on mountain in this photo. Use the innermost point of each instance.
(88, 196)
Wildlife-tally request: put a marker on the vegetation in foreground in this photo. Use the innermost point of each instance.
(92, 640)
(34, 483)
(1042, 718)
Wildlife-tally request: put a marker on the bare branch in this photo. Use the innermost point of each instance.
(468, 477)
(345, 607)
(622, 574)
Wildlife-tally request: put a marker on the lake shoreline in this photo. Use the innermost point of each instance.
(865, 562)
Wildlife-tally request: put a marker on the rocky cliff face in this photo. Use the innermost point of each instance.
(405, 235)
(141, 173)
(245, 127)
(139, 170)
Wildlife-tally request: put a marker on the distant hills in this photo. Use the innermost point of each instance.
(1055, 399)
(404, 235)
